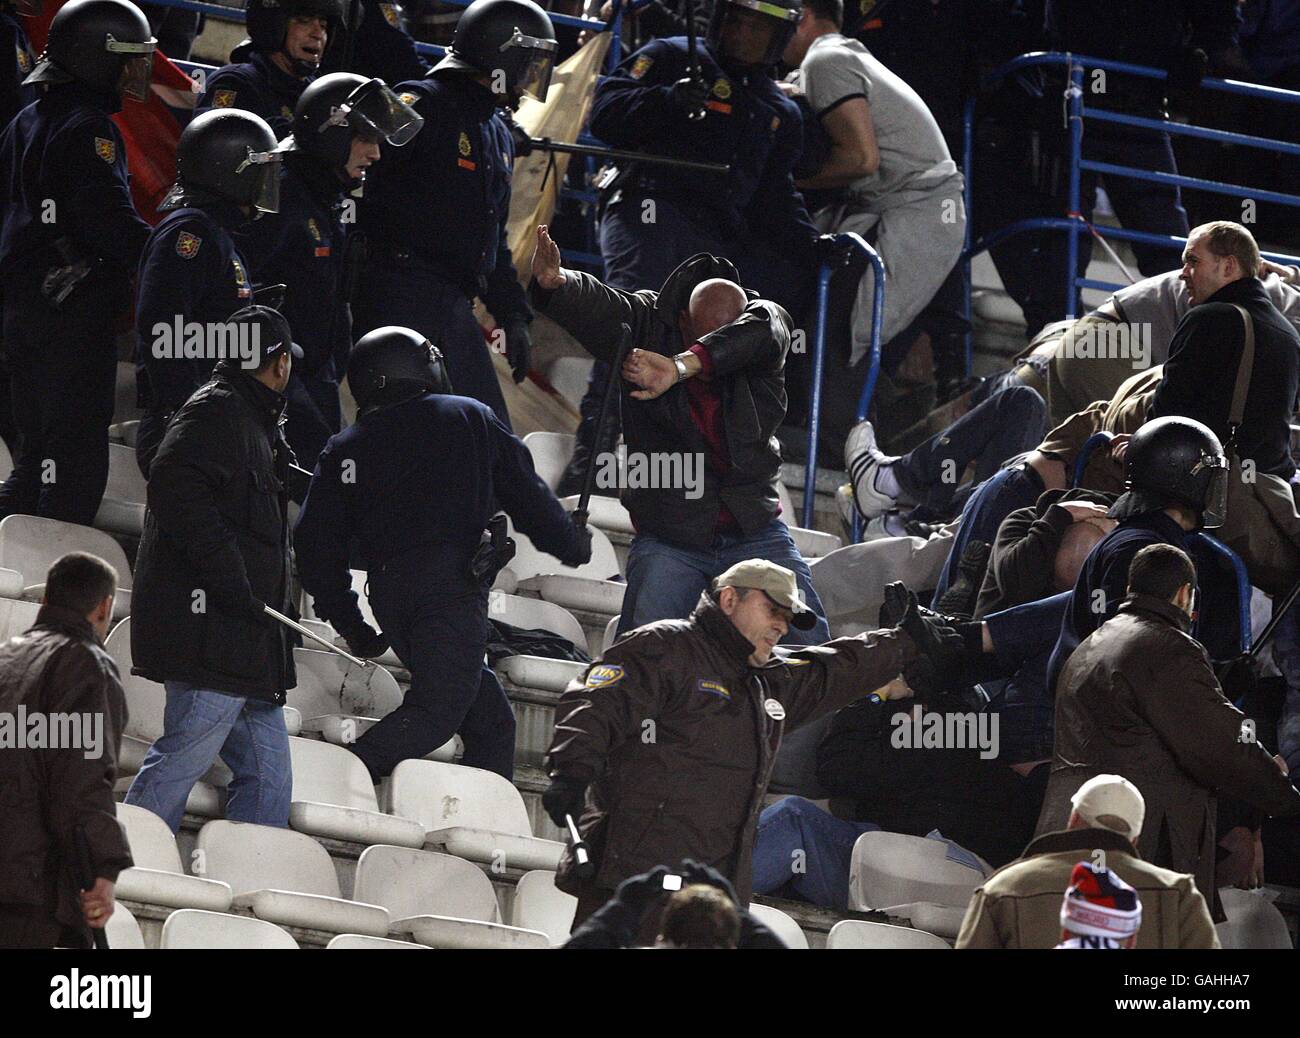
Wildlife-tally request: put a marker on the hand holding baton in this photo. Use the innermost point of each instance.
(293, 625)
(86, 875)
(582, 512)
(583, 865)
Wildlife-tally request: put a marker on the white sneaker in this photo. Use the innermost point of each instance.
(863, 460)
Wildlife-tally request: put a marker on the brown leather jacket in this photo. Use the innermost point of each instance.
(678, 734)
(1138, 698)
(58, 667)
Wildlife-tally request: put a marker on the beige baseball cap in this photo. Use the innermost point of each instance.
(1111, 802)
(777, 582)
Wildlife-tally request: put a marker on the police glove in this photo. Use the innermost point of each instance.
(937, 641)
(364, 641)
(564, 796)
(522, 141)
(519, 343)
(581, 553)
(689, 94)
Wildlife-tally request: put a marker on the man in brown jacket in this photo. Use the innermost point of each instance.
(61, 715)
(1138, 698)
(676, 727)
(1019, 906)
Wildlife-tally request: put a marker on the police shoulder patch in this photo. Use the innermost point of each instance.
(223, 99)
(106, 149)
(391, 15)
(603, 674)
(187, 245)
(722, 89)
(463, 144)
(24, 59)
(641, 66)
(407, 98)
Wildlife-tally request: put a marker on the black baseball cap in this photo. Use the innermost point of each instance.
(273, 330)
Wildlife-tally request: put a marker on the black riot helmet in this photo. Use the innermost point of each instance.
(92, 41)
(511, 41)
(340, 106)
(267, 22)
(1174, 461)
(752, 34)
(393, 364)
(230, 155)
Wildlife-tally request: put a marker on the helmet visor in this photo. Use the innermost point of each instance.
(264, 168)
(1214, 510)
(534, 76)
(755, 33)
(374, 109)
(137, 70)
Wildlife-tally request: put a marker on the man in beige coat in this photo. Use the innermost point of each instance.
(1019, 905)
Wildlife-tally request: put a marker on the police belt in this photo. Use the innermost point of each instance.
(419, 259)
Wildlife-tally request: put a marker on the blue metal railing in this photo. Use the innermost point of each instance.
(1072, 222)
(236, 14)
(854, 243)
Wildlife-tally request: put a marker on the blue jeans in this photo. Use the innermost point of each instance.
(801, 846)
(665, 580)
(201, 724)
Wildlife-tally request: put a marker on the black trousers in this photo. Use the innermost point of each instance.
(34, 926)
(63, 371)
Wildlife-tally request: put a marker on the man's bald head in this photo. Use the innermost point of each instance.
(714, 303)
(1077, 541)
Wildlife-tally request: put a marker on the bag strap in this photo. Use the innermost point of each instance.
(1244, 369)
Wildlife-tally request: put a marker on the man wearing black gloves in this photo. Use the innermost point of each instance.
(676, 727)
(214, 554)
(405, 494)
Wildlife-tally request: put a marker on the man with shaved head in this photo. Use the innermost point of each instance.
(702, 393)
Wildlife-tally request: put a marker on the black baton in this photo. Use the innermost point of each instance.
(581, 513)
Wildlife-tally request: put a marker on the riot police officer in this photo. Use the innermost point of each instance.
(70, 241)
(731, 112)
(410, 488)
(337, 128)
(435, 214)
(192, 274)
(18, 58)
(287, 41)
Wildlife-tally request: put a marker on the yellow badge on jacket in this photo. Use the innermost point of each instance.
(603, 674)
(105, 149)
(24, 60)
(391, 15)
(223, 99)
(641, 66)
(187, 245)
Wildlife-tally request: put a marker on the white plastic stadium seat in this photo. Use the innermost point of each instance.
(6, 461)
(534, 614)
(541, 672)
(607, 513)
(781, 924)
(334, 796)
(858, 933)
(331, 681)
(31, 545)
(914, 878)
(551, 452)
(122, 931)
(158, 878)
(125, 432)
(190, 928)
(1253, 921)
(592, 596)
(474, 814)
(539, 905)
(529, 561)
(360, 942)
(443, 901)
(284, 877)
(121, 510)
(389, 658)
(16, 617)
(611, 630)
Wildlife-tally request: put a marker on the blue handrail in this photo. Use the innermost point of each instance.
(236, 14)
(1072, 223)
(854, 243)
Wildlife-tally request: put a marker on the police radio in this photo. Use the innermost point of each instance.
(495, 550)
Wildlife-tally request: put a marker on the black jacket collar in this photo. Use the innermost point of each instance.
(1245, 290)
(1085, 839)
(710, 619)
(476, 99)
(265, 401)
(323, 184)
(1156, 608)
(77, 94)
(67, 620)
